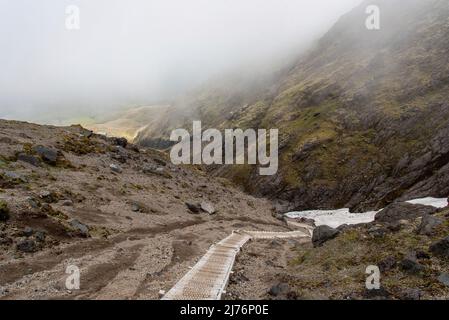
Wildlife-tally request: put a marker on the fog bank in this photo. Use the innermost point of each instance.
(138, 52)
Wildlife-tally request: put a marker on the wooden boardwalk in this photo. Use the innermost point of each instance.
(208, 279)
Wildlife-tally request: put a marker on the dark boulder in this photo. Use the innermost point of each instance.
(82, 229)
(387, 264)
(377, 232)
(40, 235)
(403, 211)
(194, 208)
(48, 155)
(428, 224)
(441, 248)
(411, 294)
(410, 264)
(27, 246)
(323, 234)
(27, 232)
(29, 159)
(137, 206)
(122, 142)
(279, 289)
(444, 279)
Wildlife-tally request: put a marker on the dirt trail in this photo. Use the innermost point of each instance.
(121, 214)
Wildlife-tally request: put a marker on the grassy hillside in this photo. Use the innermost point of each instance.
(362, 116)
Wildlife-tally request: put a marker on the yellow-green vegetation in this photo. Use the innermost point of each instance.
(54, 213)
(81, 145)
(340, 264)
(3, 162)
(101, 232)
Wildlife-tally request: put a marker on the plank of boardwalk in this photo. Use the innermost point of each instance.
(208, 279)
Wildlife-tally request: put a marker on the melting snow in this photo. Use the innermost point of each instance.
(434, 202)
(336, 218)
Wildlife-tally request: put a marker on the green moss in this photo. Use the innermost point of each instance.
(81, 145)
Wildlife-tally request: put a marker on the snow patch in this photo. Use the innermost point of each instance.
(336, 218)
(434, 202)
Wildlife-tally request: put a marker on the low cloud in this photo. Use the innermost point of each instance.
(139, 52)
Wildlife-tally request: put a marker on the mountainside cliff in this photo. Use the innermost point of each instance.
(362, 116)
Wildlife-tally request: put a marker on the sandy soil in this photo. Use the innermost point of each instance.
(130, 254)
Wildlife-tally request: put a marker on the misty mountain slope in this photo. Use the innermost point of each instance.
(363, 116)
(217, 101)
(129, 122)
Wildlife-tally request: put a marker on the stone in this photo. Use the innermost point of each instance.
(3, 291)
(85, 133)
(207, 207)
(278, 216)
(27, 246)
(40, 235)
(323, 234)
(27, 232)
(428, 224)
(377, 232)
(48, 196)
(421, 255)
(387, 264)
(67, 203)
(194, 208)
(29, 159)
(279, 289)
(410, 264)
(137, 206)
(395, 226)
(115, 168)
(15, 176)
(48, 155)
(120, 154)
(160, 171)
(444, 279)
(122, 142)
(411, 294)
(33, 202)
(403, 211)
(79, 227)
(441, 248)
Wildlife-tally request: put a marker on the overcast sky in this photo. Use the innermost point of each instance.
(135, 52)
